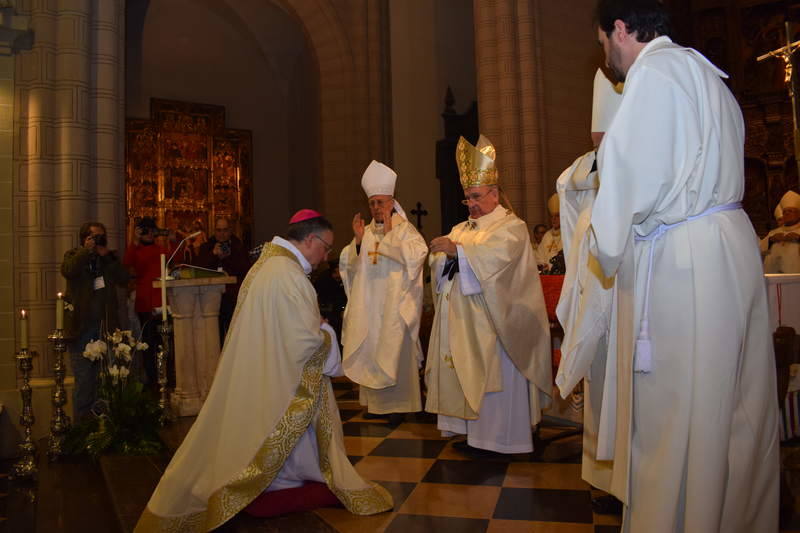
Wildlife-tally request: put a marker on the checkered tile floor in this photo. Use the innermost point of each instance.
(438, 488)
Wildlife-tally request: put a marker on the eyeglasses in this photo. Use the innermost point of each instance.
(328, 247)
(474, 197)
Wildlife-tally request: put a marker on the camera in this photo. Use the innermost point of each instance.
(100, 239)
(225, 247)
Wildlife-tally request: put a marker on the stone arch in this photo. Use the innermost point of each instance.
(353, 113)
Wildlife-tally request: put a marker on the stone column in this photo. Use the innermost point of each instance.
(14, 36)
(510, 99)
(535, 63)
(68, 149)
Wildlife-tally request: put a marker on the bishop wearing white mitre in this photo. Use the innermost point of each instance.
(382, 274)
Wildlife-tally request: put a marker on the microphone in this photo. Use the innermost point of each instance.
(191, 236)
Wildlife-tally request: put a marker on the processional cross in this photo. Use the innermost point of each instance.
(786, 53)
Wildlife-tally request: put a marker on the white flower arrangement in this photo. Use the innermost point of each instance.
(124, 417)
(95, 350)
(115, 354)
(123, 351)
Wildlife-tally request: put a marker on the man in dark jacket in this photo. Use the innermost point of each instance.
(92, 272)
(225, 250)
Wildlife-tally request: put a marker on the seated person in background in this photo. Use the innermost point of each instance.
(551, 245)
(783, 243)
(538, 233)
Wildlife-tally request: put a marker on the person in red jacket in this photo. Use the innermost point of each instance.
(143, 258)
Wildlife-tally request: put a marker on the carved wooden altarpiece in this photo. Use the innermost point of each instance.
(183, 165)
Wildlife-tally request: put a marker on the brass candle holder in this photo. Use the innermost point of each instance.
(25, 467)
(162, 358)
(60, 423)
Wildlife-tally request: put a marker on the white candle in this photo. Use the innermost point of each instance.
(163, 287)
(23, 330)
(59, 311)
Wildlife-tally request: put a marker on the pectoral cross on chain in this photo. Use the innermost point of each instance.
(374, 254)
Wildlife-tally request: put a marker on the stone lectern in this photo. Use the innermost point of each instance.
(195, 312)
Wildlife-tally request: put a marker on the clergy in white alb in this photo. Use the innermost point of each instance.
(270, 420)
(551, 245)
(696, 420)
(382, 274)
(585, 307)
(488, 369)
(783, 243)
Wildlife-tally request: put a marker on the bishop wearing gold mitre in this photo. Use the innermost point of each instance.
(489, 365)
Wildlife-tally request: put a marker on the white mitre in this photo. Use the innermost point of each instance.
(378, 179)
(778, 212)
(606, 99)
(790, 199)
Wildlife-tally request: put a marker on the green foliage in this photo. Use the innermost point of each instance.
(125, 421)
(126, 418)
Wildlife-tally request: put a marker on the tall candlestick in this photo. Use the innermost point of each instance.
(60, 311)
(23, 330)
(163, 288)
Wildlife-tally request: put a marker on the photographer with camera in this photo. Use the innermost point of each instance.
(225, 250)
(93, 273)
(143, 257)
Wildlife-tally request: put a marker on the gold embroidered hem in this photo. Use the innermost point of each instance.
(372, 500)
(228, 500)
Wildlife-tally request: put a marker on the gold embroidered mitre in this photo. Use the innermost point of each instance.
(476, 163)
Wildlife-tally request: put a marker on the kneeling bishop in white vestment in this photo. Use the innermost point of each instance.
(382, 274)
(489, 365)
(270, 420)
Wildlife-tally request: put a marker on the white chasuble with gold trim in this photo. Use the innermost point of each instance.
(268, 389)
(380, 334)
(493, 307)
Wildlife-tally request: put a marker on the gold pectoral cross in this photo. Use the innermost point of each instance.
(374, 254)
